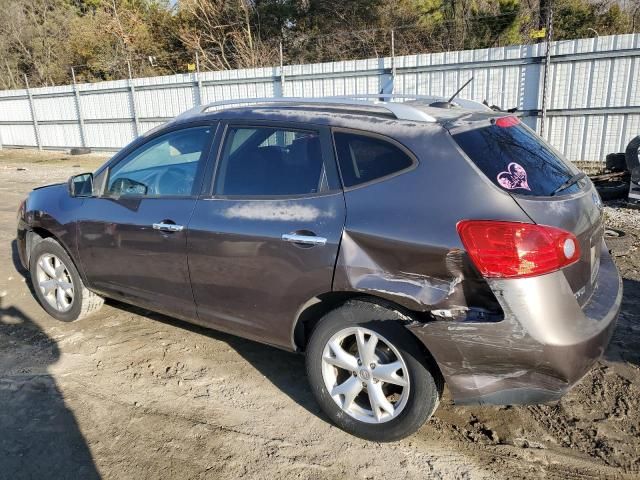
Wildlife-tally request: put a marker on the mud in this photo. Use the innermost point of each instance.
(128, 393)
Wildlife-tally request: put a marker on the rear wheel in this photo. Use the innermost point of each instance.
(369, 374)
(57, 284)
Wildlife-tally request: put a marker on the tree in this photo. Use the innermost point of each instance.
(34, 39)
(222, 33)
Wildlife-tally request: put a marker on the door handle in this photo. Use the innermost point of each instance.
(304, 239)
(168, 227)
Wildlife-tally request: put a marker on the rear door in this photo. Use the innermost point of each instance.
(265, 239)
(519, 162)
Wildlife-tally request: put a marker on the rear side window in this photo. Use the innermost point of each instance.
(514, 158)
(363, 158)
(265, 161)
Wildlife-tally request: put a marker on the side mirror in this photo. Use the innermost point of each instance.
(81, 185)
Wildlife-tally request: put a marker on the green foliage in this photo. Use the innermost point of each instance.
(102, 39)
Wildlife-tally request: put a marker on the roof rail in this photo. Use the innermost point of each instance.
(401, 110)
(461, 102)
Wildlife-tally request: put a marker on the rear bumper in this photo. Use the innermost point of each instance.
(545, 344)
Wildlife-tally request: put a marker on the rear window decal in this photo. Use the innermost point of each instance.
(514, 177)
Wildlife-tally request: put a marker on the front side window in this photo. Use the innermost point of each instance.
(364, 158)
(165, 166)
(266, 161)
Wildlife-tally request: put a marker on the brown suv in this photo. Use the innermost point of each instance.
(399, 245)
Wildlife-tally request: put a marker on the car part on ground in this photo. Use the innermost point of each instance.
(80, 151)
(612, 186)
(613, 189)
(618, 242)
(632, 155)
(616, 162)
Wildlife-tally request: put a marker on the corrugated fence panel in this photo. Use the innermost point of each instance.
(110, 135)
(164, 102)
(16, 110)
(593, 93)
(19, 135)
(61, 135)
(55, 108)
(107, 105)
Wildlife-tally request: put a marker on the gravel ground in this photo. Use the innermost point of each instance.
(128, 393)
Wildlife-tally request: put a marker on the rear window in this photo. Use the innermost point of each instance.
(363, 158)
(516, 159)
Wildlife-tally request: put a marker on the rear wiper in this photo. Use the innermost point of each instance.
(572, 181)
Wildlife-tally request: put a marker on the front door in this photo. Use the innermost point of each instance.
(132, 238)
(266, 240)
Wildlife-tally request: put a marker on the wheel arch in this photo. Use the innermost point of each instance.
(314, 309)
(36, 235)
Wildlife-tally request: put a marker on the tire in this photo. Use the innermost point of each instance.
(78, 301)
(631, 154)
(79, 151)
(613, 190)
(412, 404)
(616, 162)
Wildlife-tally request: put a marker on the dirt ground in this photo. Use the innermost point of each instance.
(128, 393)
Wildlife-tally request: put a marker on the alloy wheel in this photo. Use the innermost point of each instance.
(365, 375)
(55, 282)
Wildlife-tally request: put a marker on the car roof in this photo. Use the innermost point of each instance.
(335, 110)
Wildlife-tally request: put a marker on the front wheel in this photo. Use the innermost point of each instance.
(57, 283)
(369, 374)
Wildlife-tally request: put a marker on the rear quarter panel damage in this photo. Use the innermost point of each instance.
(400, 243)
(400, 240)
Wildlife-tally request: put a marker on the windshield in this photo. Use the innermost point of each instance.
(516, 159)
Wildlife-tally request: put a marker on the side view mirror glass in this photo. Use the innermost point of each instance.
(81, 185)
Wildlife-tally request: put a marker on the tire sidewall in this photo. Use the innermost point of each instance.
(424, 392)
(52, 247)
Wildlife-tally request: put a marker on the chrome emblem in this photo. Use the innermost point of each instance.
(364, 375)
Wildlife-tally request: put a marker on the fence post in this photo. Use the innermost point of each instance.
(34, 117)
(132, 92)
(393, 60)
(83, 136)
(547, 66)
(198, 79)
(281, 72)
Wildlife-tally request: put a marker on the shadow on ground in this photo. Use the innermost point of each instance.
(39, 437)
(285, 370)
(625, 343)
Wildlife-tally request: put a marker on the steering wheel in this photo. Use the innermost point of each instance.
(174, 182)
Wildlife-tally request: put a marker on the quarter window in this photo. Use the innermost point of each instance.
(265, 161)
(363, 158)
(165, 166)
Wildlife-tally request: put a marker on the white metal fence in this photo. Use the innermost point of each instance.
(593, 96)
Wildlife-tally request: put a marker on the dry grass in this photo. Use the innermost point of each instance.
(29, 157)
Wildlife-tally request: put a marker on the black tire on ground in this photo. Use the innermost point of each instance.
(84, 303)
(426, 383)
(632, 154)
(613, 190)
(80, 151)
(616, 162)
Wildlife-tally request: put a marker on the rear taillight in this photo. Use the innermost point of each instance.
(516, 250)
